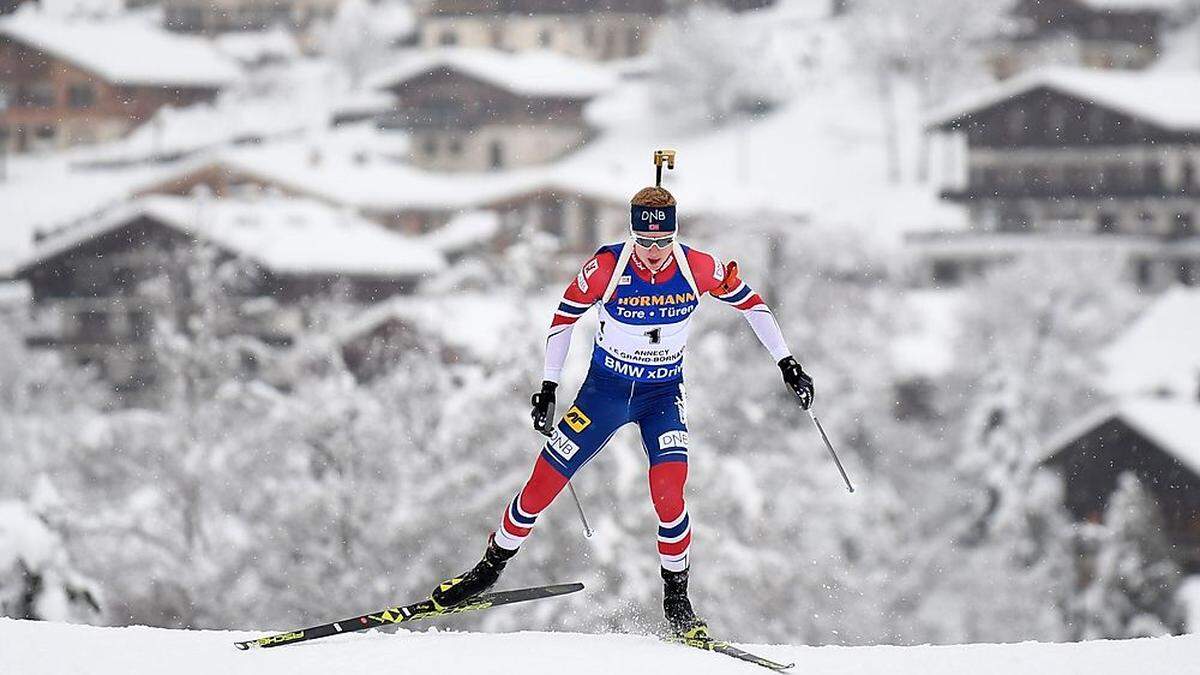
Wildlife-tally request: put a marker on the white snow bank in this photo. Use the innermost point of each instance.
(1189, 594)
(33, 648)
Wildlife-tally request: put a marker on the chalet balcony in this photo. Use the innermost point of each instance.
(1052, 191)
(433, 120)
(100, 322)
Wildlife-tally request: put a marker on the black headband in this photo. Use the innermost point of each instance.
(652, 218)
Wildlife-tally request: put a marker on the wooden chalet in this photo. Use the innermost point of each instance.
(101, 286)
(1107, 34)
(1076, 156)
(1156, 439)
(213, 17)
(75, 82)
(586, 29)
(482, 110)
(579, 213)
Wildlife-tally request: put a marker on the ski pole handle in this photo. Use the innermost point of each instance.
(829, 445)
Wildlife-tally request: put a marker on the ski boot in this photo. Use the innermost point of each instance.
(684, 623)
(478, 579)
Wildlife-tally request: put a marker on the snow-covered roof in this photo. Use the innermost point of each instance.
(125, 51)
(533, 74)
(1168, 99)
(377, 186)
(1171, 424)
(253, 47)
(477, 323)
(464, 231)
(285, 235)
(1160, 351)
(42, 194)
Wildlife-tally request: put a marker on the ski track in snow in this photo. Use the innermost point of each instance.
(36, 648)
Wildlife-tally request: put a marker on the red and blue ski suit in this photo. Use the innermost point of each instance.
(636, 375)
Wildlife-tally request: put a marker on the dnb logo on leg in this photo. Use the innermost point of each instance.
(576, 419)
(561, 445)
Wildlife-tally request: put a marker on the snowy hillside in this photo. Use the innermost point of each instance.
(32, 648)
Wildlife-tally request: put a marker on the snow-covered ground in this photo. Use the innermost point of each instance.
(33, 648)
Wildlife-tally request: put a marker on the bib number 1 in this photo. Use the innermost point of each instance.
(655, 335)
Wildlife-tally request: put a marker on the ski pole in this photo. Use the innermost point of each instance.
(829, 445)
(587, 529)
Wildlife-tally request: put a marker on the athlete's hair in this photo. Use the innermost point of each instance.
(653, 196)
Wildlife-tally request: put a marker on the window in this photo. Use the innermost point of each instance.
(946, 273)
(1056, 122)
(633, 39)
(123, 280)
(496, 155)
(1016, 125)
(1146, 222)
(1154, 177)
(1183, 225)
(544, 37)
(1187, 178)
(187, 19)
(591, 223)
(1014, 219)
(1144, 273)
(40, 95)
(93, 326)
(1106, 223)
(455, 147)
(140, 325)
(448, 38)
(1097, 125)
(81, 96)
(552, 216)
(429, 146)
(46, 132)
(1188, 273)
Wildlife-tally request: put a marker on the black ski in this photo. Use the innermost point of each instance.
(721, 647)
(418, 611)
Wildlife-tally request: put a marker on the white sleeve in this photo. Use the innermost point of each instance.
(558, 343)
(762, 321)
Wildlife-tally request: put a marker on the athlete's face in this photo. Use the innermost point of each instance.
(653, 256)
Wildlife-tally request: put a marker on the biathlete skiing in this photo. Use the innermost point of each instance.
(647, 288)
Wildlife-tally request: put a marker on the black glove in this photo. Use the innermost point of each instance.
(798, 380)
(543, 407)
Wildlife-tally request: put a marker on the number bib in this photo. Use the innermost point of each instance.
(644, 327)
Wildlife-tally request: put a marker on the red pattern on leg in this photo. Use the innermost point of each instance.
(542, 487)
(666, 489)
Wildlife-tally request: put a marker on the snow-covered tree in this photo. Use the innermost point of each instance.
(1133, 591)
(713, 67)
(926, 48)
(355, 41)
(1041, 322)
(38, 579)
